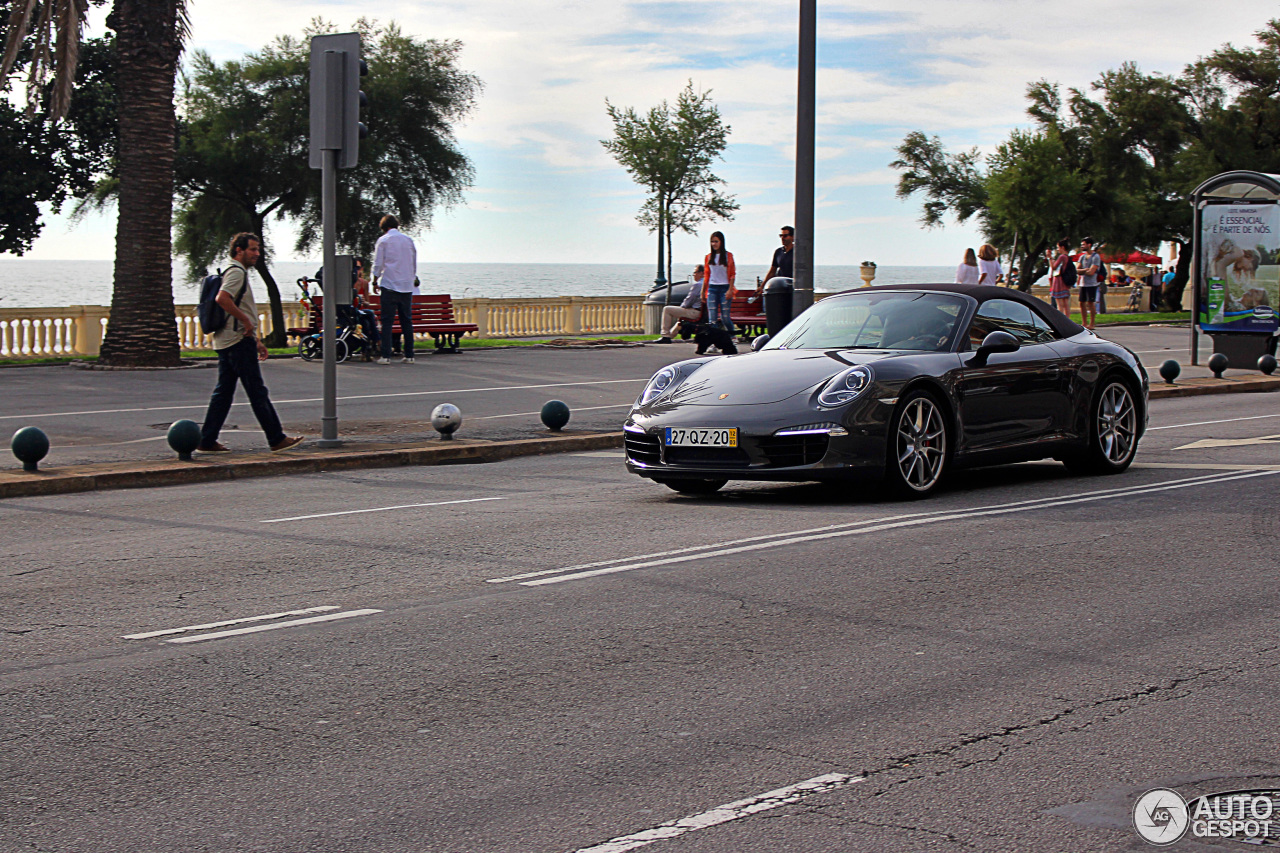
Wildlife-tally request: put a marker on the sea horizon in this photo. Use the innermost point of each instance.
(28, 283)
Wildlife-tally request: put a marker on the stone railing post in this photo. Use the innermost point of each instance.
(88, 328)
(573, 324)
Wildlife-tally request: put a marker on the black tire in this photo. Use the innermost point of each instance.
(1113, 430)
(310, 348)
(694, 487)
(342, 351)
(917, 446)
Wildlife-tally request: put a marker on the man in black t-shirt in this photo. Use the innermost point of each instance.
(782, 256)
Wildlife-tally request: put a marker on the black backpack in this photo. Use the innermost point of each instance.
(212, 315)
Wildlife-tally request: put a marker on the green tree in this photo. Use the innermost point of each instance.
(242, 156)
(670, 151)
(149, 38)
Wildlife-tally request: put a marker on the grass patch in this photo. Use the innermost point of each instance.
(1159, 317)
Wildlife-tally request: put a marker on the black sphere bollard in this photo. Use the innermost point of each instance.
(1169, 370)
(446, 418)
(183, 436)
(555, 414)
(1267, 364)
(30, 445)
(1218, 363)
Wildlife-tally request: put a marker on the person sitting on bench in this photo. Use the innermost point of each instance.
(689, 309)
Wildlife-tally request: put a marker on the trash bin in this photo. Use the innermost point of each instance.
(777, 303)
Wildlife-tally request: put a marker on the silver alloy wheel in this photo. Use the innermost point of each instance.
(1117, 423)
(922, 444)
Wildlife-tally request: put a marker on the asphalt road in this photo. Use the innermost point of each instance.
(545, 654)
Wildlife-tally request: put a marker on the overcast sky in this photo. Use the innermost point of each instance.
(547, 192)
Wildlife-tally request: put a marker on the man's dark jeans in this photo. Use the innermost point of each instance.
(240, 363)
(396, 303)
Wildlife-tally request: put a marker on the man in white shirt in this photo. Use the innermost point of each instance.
(395, 270)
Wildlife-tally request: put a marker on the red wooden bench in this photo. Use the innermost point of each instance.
(748, 317)
(432, 315)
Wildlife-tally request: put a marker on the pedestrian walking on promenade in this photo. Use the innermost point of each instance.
(239, 351)
(689, 309)
(719, 277)
(395, 271)
(989, 271)
(967, 272)
(1062, 277)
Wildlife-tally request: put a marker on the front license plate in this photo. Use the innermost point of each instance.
(679, 437)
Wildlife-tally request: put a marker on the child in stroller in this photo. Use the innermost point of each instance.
(352, 338)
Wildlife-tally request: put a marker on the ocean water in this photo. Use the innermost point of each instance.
(41, 284)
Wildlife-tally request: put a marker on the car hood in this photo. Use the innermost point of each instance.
(768, 376)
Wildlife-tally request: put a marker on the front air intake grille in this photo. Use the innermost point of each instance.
(729, 457)
(790, 451)
(642, 448)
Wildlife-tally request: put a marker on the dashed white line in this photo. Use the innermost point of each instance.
(723, 814)
(1209, 423)
(376, 509)
(293, 623)
(205, 627)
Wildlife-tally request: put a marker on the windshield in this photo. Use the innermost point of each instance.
(895, 320)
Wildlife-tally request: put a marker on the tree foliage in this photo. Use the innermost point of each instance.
(243, 146)
(1118, 162)
(670, 151)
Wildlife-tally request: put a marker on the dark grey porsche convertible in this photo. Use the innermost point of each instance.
(902, 383)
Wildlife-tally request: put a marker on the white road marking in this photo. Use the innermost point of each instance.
(375, 509)
(205, 404)
(864, 527)
(603, 454)
(727, 812)
(149, 634)
(1025, 504)
(1209, 423)
(1228, 442)
(293, 623)
(1205, 466)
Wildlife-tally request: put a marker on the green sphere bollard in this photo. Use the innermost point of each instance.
(184, 437)
(1218, 363)
(555, 414)
(1169, 370)
(30, 445)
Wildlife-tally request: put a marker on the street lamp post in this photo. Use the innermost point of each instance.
(802, 266)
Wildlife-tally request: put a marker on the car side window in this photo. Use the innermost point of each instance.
(1004, 315)
(1046, 334)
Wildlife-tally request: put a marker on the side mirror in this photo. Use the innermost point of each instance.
(997, 341)
(760, 341)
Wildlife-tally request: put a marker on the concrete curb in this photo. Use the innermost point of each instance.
(88, 478)
(1227, 385)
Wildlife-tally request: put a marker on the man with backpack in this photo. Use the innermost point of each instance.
(1089, 265)
(239, 351)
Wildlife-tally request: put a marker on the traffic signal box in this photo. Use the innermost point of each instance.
(336, 99)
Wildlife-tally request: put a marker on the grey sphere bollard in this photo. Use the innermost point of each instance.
(1267, 364)
(1169, 370)
(555, 414)
(1218, 363)
(183, 436)
(445, 419)
(30, 445)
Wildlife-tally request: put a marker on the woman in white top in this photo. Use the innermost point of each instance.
(988, 264)
(967, 272)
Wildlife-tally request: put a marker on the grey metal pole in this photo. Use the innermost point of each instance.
(802, 266)
(1197, 222)
(329, 222)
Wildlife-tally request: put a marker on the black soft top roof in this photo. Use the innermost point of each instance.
(983, 292)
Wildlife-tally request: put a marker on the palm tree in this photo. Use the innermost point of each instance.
(149, 36)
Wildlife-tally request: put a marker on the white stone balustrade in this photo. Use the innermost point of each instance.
(79, 329)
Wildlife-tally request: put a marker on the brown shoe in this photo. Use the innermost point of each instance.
(287, 442)
(216, 447)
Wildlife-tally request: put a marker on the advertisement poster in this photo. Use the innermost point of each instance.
(1240, 268)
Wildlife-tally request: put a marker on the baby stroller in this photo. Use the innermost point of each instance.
(1135, 298)
(351, 337)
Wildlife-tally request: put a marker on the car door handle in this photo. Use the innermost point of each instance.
(1052, 370)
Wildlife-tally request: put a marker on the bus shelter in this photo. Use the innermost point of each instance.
(1235, 268)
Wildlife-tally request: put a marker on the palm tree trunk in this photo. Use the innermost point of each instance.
(141, 331)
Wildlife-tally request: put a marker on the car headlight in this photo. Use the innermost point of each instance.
(660, 382)
(846, 387)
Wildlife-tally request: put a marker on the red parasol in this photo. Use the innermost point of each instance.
(1133, 258)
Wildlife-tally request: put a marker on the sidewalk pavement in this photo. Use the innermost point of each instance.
(507, 425)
